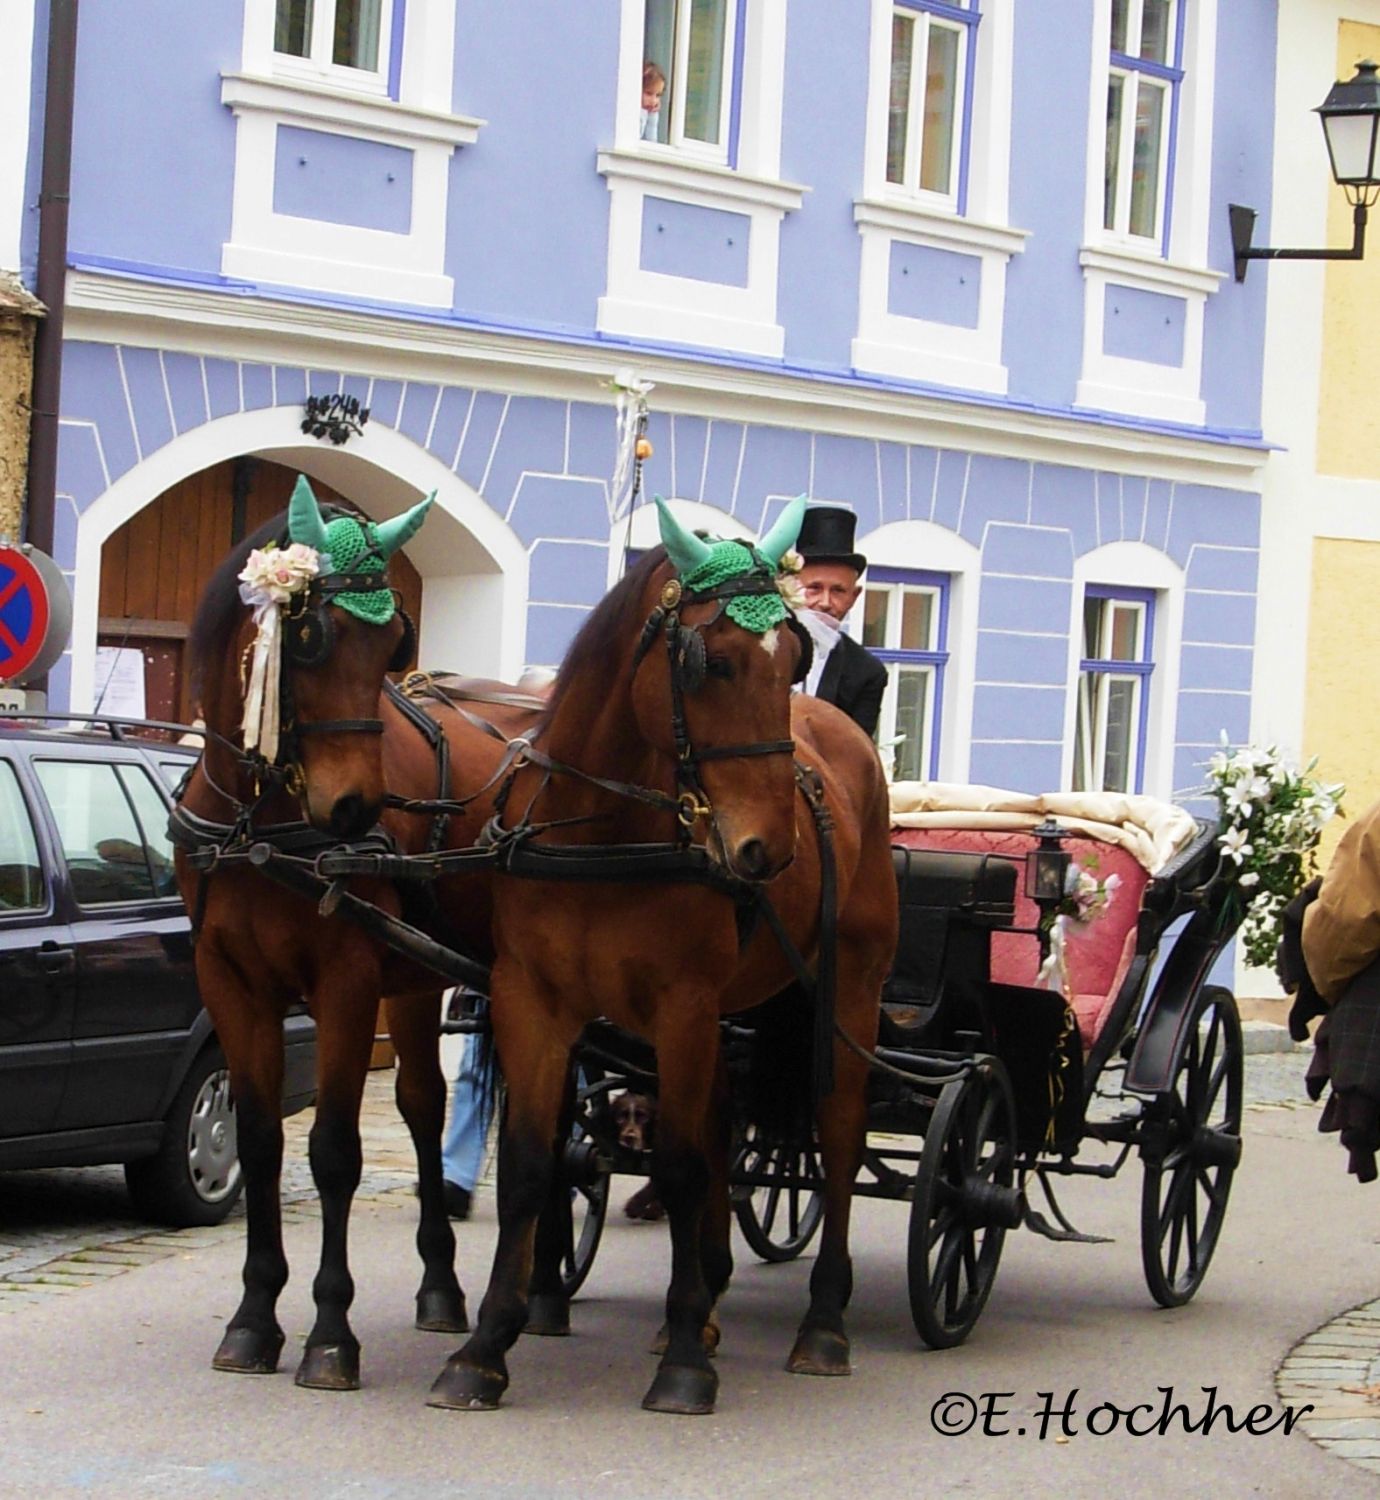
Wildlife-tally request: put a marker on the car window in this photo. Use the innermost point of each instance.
(102, 843)
(174, 772)
(152, 812)
(21, 875)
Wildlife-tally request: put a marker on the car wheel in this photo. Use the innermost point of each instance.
(195, 1177)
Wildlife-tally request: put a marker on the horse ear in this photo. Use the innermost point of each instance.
(683, 547)
(392, 534)
(783, 536)
(304, 517)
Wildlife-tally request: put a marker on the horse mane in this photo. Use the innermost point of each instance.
(610, 624)
(217, 615)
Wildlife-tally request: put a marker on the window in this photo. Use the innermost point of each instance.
(928, 100)
(334, 33)
(1142, 106)
(109, 857)
(905, 625)
(689, 47)
(1113, 690)
(21, 876)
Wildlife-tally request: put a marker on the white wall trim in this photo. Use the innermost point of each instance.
(107, 307)
(499, 633)
(16, 66)
(280, 249)
(916, 348)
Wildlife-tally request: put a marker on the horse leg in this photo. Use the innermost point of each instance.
(421, 1096)
(536, 1062)
(685, 1383)
(250, 1029)
(548, 1307)
(345, 1038)
(821, 1345)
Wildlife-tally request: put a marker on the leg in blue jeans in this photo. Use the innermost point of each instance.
(467, 1130)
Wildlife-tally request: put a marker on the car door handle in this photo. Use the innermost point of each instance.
(55, 960)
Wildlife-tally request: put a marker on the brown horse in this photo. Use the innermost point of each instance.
(261, 948)
(672, 722)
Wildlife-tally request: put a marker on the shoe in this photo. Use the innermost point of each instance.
(457, 1200)
(644, 1204)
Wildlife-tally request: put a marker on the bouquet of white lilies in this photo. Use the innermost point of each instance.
(1272, 816)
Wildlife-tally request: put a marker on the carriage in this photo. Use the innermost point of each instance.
(674, 846)
(987, 1085)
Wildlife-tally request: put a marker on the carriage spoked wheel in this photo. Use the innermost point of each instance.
(780, 1212)
(1192, 1146)
(585, 1170)
(964, 1202)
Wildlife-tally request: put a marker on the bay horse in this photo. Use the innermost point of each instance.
(672, 724)
(260, 948)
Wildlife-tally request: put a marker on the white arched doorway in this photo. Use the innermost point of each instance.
(473, 566)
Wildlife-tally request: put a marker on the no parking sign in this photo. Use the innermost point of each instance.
(35, 613)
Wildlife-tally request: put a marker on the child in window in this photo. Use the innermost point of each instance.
(653, 87)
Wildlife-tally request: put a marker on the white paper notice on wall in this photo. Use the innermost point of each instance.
(120, 681)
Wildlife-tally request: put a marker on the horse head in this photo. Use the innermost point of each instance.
(712, 687)
(326, 629)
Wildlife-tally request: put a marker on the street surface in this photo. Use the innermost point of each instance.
(107, 1328)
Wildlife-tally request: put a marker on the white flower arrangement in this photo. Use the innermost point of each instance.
(1085, 896)
(1272, 816)
(273, 574)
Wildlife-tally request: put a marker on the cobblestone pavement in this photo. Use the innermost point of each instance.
(61, 1230)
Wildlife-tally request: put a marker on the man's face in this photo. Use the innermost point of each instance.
(830, 587)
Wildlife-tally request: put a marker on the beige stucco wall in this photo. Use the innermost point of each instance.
(1348, 413)
(18, 316)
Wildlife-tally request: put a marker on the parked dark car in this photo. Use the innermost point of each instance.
(106, 1053)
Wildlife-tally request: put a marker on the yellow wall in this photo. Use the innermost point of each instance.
(1341, 723)
(1348, 413)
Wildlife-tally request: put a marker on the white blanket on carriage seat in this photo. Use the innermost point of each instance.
(1150, 830)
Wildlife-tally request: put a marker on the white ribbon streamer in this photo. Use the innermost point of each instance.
(260, 725)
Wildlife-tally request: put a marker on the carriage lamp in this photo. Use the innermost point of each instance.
(1046, 870)
(1351, 126)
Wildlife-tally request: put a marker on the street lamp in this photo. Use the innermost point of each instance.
(1351, 125)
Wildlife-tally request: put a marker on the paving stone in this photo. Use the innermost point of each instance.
(1351, 1427)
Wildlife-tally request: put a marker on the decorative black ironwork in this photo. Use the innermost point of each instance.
(336, 417)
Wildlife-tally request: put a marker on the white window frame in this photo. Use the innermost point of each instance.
(932, 659)
(317, 66)
(925, 21)
(1133, 80)
(652, 305)
(926, 548)
(918, 349)
(1134, 566)
(346, 260)
(1143, 388)
(1093, 715)
(679, 143)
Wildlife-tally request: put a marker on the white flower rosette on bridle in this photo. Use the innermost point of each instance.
(270, 579)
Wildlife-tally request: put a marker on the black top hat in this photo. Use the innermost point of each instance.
(826, 535)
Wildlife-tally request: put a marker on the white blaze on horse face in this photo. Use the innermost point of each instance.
(771, 640)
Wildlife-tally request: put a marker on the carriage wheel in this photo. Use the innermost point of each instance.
(779, 1217)
(584, 1169)
(963, 1205)
(1193, 1136)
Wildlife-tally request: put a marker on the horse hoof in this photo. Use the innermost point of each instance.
(442, 1311)
(330, 1367)
(246, 1351)
(682, 1391)
(465, 1387)
(548, 1315)
(820, 1351)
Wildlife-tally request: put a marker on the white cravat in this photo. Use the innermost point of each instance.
(824, 632)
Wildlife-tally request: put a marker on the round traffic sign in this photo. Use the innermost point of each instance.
(25, 613)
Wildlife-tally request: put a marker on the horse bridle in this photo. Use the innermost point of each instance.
(308, 638)
(687, 656)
